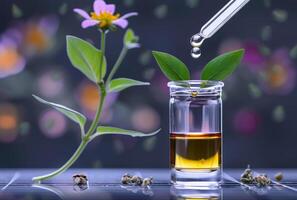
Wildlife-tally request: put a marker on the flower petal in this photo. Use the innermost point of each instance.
(123, 23)
(110, 8)
(82, 13)
(89, 22)
(129, 15)
(99, 6)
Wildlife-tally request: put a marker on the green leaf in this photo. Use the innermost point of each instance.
(85, 57)
(104, 130)
(120, 84)
(222, 66)
(71, 114)
(130, 39)
(173, 68)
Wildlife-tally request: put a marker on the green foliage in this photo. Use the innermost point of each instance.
(222, 66)
(119, 84)
(173, 68)
(92, 63)
(71, 114)
(104, 130)
(130, 39)
(85, 57)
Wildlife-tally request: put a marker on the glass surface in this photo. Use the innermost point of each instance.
(104, 184)
(195, 125)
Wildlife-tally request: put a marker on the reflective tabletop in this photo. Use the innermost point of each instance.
(106, 184)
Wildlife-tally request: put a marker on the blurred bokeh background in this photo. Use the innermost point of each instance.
(260, 126)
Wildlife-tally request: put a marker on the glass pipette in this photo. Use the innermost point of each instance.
(214, 24)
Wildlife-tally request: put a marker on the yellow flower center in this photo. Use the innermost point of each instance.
(105, 18)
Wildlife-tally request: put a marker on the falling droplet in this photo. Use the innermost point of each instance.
(197, 40)
(196, 52)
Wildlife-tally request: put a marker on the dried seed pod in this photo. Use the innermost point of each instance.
(279, 177)
(126, 179)
(247, 176)
(136, 180)
(194, 94)
(147, 182)
(262, 180)
(80, 179)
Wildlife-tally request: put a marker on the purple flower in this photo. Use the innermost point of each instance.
(11, 61)
(104, 16)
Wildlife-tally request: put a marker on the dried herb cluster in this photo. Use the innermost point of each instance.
(260, 180)
(128, 179)
(80, 182)
(279, 177)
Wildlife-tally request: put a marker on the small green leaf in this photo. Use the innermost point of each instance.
(173, 68)
(103, 130)
(71, 114)
(222, 66)
(120, 84)
(85, 57)
(130, 39)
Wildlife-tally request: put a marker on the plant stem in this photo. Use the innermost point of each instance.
(117, 64)
(83, 143)
(99, 111)
(102, 54)
(73, 158)
(86, 137)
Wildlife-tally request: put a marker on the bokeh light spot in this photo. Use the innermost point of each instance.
(267, 3)
(145, 58)
(280, 15)
(246, 121)
(16, 11)
(266, 33)
(88, 98)
(149, 143)
(293, 52)
(9, 122)
(51, 83)
(52, 124)
(11, 61)
(254, 90)
(128, 3)
(161, 11)
(278, 114)
(63, 9)
(145, 119)
(192, 3)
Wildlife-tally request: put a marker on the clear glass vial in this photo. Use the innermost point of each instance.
(195, 125)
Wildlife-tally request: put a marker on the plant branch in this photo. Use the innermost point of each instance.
(103, 38)
(117, 64)
(99, 111)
